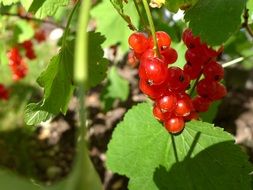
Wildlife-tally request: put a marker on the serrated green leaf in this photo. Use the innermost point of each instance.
(97, 64)
(208, 17)
(23, 31)
(174, 5)
(110, 24)
(116, 88)
(57, 81)
(44, 8)
(34, 115)
(142, 149)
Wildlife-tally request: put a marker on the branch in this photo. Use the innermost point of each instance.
(245, 24)
(27, 17)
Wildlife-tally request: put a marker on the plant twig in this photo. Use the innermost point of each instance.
(237, 60)
(145, 25)
(28, 17)
(245, 24)
(152, 26)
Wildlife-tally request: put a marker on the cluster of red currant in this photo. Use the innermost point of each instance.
(17, 64)
(202, 60)
(4, 93)
(168, 85)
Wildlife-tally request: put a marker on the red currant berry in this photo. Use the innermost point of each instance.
(4, 93)
(174, 124)
(193, 116)
(220, 92)
(183, 107)
(30, 54)
(213, 71)
(163, 41)
(159, 115)
(27, 44)
(170, 56)
(153, 70)
(153, 91)
(138, 42)
(201, 104)
(177, 79)
(40, 36)
(206, 88)
(189, 40)
(167, 103)
(192, 70)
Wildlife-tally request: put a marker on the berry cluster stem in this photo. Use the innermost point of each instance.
(152, 26)
(141, 17)
(195, 84)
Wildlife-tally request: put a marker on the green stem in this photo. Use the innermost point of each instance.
(66, 31)
(145, 25)
(152, 26)
(174, 147)
(86, 176)
(195, 84)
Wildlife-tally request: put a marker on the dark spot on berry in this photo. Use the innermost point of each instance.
(181, 78)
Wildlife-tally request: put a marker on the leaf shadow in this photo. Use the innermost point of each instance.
(221, 166)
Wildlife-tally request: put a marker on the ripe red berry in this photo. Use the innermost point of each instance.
(177, 79)
(193, 116)
(153, 91)
(163, 41)
(167, 103)
(183, 107)
(201, 104)
(213, 71)
(40, 36)
(189, 40)
(170, 56)
(153, 70)
(206, 88)
(192, 70)
(4, 93)
(159, 115)
(27, 44)
(138, 42)
(220, 92)
(174, 124)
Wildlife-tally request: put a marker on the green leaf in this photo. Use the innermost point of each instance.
(33, 114)
(117, 87)
(44, 8)
(58, 88)
(174, 5)
(142, 149)
(110, 24)
(23, 31)
(208, 17)
(57, 81)
(8, 2)
(97, 64)
(250, 7)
